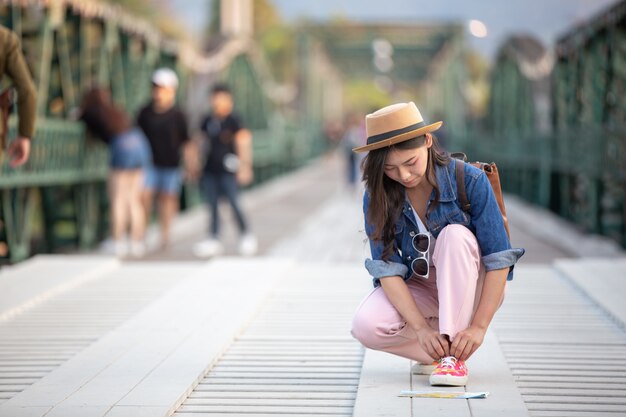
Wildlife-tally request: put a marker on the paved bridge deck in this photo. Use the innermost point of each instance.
(89, 335)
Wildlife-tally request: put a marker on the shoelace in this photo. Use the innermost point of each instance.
(448, 362)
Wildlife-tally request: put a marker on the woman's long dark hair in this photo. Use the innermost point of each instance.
(98, 101)
(387, 196)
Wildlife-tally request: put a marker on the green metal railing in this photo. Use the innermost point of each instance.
(579, 174)
(60, 154)
(35, 196)
(559, 136)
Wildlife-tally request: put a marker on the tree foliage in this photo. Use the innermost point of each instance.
(476, 89)
(276, 38)
(362, 96)
(155, 12)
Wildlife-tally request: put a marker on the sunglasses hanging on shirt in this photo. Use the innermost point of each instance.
(421, 265)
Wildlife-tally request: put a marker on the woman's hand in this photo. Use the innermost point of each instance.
(436, 345)
(467, 341)
(396, 290)
(19, 151)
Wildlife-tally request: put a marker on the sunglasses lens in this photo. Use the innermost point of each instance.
(420, 266)
(421, 242)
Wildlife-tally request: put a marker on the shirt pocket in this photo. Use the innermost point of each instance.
(447, 213)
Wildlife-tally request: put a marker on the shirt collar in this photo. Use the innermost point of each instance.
(447, 191)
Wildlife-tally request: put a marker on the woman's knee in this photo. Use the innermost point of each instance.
(456, 232)
(364, 329)
(456, 255)
(374, 333)
(456, 237)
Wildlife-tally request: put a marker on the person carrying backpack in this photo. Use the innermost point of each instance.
(439, 272)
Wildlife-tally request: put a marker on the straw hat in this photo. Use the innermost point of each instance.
(394, 124)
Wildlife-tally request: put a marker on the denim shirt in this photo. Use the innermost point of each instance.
(484, 220)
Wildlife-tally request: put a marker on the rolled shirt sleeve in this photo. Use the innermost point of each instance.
(380, 269)
(376, 266)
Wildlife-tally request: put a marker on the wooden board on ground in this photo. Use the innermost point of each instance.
(29, 283)
(151, 362)
(603, 279)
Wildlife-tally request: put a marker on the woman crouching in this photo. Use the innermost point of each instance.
(439, 272)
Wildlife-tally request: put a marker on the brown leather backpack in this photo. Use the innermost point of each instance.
(491, 170)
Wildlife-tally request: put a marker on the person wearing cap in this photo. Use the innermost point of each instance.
(439, 272)
(13, 64)
(165, 126)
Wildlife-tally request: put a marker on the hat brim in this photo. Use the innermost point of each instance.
(164, 85)
(399, 138)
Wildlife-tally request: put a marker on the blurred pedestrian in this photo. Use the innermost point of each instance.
(129, 157)
(13, 64)
(333, 131)
(165, 126)
(439, 272)
(353, 137)
(228, 165)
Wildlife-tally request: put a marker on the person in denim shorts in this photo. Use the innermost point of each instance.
(439, 272)
(130, 156)
(165, 126)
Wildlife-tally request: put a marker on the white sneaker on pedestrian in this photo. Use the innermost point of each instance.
(207, 248)
(137, 249)
(120, 248)
(108, 246)
(248, 245)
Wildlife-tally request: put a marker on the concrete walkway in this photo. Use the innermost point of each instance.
(274, 211)
(174, 335)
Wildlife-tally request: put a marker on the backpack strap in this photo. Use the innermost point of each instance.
(460, 185)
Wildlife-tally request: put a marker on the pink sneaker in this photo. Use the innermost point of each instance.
(450, 371)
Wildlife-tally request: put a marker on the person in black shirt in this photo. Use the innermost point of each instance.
(165, 126)
(228, 165)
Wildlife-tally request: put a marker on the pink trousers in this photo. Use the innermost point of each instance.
(447, 299)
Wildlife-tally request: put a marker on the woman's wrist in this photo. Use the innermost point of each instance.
(417, 327)
(480, 325)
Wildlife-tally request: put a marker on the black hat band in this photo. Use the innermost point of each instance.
(393, 133)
